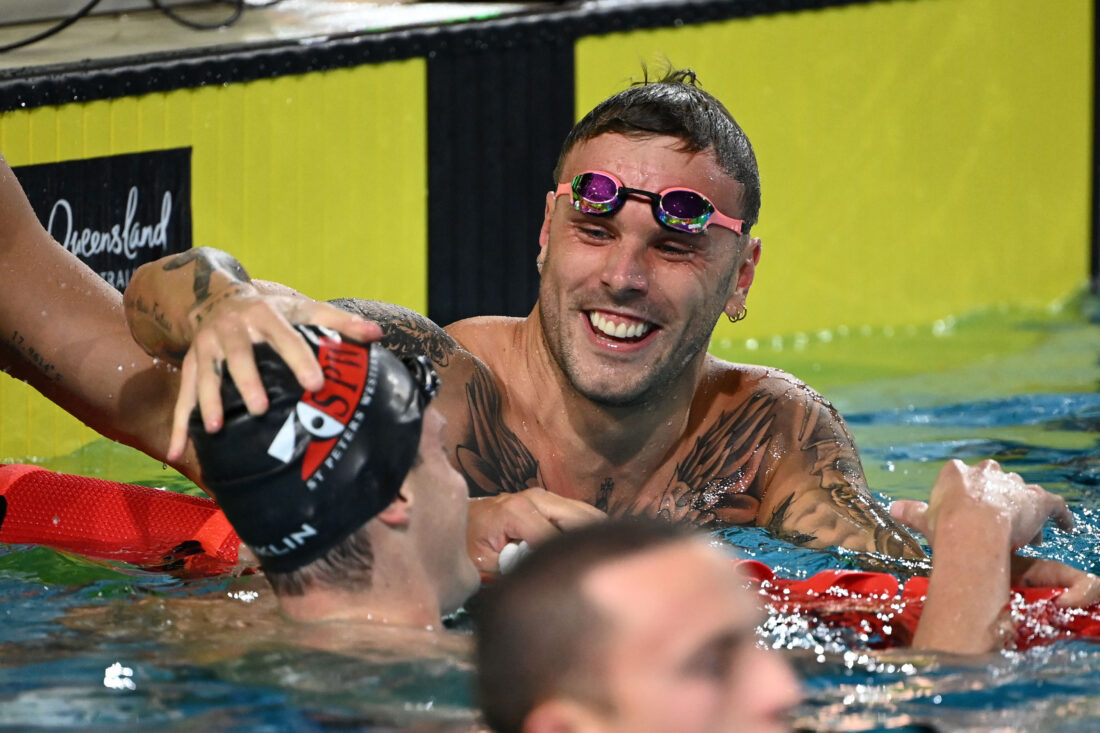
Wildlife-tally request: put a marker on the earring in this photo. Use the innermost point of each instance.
(538, 266)
(740, 316)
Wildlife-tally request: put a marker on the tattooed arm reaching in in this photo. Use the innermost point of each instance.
(200, 308)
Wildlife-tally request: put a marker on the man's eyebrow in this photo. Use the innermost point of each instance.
(724, 642)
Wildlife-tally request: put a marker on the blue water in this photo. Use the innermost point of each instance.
(84, 645)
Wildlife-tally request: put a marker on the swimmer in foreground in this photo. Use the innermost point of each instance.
(647, 628)
(345, 494)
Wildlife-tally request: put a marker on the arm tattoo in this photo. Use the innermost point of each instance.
(205, 260)
(32, 357)
(405, 332)
(777, 525)
(719, 483)
(154, 312)
(604, 494)
(496, 461)
(836, 464)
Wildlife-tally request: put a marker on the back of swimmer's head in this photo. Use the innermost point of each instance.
(628, 626)
(300, 482)
(539, 636)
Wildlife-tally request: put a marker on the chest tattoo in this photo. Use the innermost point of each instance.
(604, 494)
(719, 482)
(493, 459)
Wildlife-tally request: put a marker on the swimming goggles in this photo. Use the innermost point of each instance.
(602, 194)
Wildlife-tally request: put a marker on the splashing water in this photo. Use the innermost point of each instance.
(1016, 386)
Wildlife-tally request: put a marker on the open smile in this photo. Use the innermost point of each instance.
(619, 328)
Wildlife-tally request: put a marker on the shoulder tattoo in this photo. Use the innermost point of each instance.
(404, 331)
(833, 459)
(494, 459)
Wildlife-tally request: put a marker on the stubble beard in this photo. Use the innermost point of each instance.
(651, 386)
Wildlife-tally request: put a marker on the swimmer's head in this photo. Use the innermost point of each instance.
(627, 626)
(308, 473)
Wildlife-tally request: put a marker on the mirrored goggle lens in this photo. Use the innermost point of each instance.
(595, 193)
(684, 210)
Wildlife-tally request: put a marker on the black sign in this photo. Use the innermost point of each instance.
(115, 213)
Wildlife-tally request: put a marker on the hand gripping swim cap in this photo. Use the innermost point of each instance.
(297, 480)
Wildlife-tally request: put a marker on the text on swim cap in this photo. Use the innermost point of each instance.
(289, 543)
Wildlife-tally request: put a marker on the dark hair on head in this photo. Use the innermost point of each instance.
(676, 106)
(347, 566)
(538, 637)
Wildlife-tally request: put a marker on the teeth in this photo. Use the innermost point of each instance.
(621, 330)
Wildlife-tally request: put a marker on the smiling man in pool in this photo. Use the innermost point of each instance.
(605, 392)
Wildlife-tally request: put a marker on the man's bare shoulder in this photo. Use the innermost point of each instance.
(731, 381)
(485, 335)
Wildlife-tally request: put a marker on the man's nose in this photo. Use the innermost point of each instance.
(625, 269)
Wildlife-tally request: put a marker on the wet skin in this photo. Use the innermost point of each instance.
(682, 654)
(647, 422)
(665, 288)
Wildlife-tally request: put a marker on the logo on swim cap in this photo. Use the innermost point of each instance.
(314, 467)
(329, 416)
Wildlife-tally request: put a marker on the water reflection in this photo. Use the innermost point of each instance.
(201, 658)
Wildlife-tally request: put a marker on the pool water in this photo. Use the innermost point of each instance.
(87, 645)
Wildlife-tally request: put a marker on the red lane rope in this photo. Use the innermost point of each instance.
(877, 605)
(150, 528)
(189, 536)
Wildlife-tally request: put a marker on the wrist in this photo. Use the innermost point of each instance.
(974, 525)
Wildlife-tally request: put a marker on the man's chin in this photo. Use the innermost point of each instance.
(616, 395)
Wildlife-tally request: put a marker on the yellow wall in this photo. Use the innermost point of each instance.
(918, 159)
(300, 177)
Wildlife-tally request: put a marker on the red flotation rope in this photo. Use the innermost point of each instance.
(886, 611)
(189, 536)
(150, 528)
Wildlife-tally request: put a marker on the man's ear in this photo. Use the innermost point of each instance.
(746, 273)
(548, 212)
(561, 715)
(396, 515)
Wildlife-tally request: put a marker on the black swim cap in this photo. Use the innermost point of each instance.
(299, 479)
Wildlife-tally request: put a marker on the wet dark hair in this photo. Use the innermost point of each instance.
(676, 106)
(538, 636)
